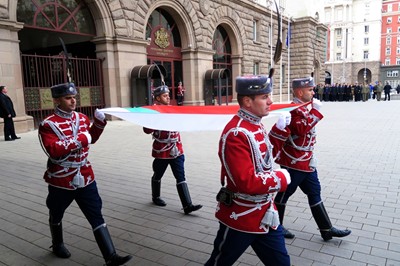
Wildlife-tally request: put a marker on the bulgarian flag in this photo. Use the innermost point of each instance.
(185, 118)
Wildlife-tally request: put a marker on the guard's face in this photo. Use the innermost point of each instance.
(260, 105)
(306, 94)
(163, 98)
(66, 103)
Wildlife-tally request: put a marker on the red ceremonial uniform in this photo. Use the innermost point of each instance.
(166, 144)
(246, 157)
(297, 152)
(64, 138)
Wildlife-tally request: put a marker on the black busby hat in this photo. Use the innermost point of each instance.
(303, 83)
(160, 90)
(253, 85)
(64, 89)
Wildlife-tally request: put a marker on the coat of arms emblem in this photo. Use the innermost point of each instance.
(162, 38)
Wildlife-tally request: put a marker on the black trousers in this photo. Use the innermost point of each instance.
(87, 198)
(9, 130)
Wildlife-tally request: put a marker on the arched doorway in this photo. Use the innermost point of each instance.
(328, 78)
(222, 59)
(364, 75)
(44, 62)
(165, 49)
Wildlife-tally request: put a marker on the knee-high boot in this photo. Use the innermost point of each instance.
(281, 211)
(57, 239)
(156, 192)
(324, 223)
(107, 249)
(184, 196)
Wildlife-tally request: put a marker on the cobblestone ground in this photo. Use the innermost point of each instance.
(359, 167)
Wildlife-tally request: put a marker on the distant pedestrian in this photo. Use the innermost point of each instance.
(379, 89)
(387, 90)
(7, 112)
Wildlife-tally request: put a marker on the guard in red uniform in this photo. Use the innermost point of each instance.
(246, 209)
(180, 93)
(168, 150)
(65, 137)
(297, 155)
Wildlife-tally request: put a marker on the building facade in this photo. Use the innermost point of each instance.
(113, 46)
(390, 39)
(354, 40)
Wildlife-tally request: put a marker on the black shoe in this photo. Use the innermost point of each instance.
(116, 260)
(334, 232)
(61, 251)
(286, 233)
(9, 139)
(192, 208)
(16, 137)
(159, 202)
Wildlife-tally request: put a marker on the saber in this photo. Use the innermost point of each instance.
(67, 59)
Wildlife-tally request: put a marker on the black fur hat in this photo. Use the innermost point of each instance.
(64, 89)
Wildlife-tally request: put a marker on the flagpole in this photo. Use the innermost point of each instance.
(270, 43)
(288, 41)
(281, 69)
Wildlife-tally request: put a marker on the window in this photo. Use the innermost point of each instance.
(256, 31)
(398, 50)
(365, 54)
(387, 61)
(366, 28)
(398, 29)
(388, 40)
(256, 68)
(339, 43)
(397, 61)
(269, 35)
(398, 18)
(389, 7)
(398, 40)
(392, 73)
(388, 51)
(338, 56)
(338, 32)
(389, 30)
(366, 41)
(389, 20)
(338, 14)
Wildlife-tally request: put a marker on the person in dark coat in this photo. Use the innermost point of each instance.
(7, 112)
(387, 90)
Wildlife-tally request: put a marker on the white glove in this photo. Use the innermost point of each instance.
(284, 120)
(99, 115)
(287, 175)
(316, 104)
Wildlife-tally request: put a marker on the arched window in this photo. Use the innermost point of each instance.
(69, 16)
(222, 57)
(162, 19)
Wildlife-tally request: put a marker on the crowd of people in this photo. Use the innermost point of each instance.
(346, 92)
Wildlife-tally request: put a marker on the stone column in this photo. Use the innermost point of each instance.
(120, 56)
(10, 73)
(195, 63)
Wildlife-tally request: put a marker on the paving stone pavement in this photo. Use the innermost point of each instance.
(359, 167)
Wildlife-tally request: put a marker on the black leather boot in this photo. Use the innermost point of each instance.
(107, 249)
(58, 243)
(184, 195)
(156, 191)
(281, 211)
(324, 223)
